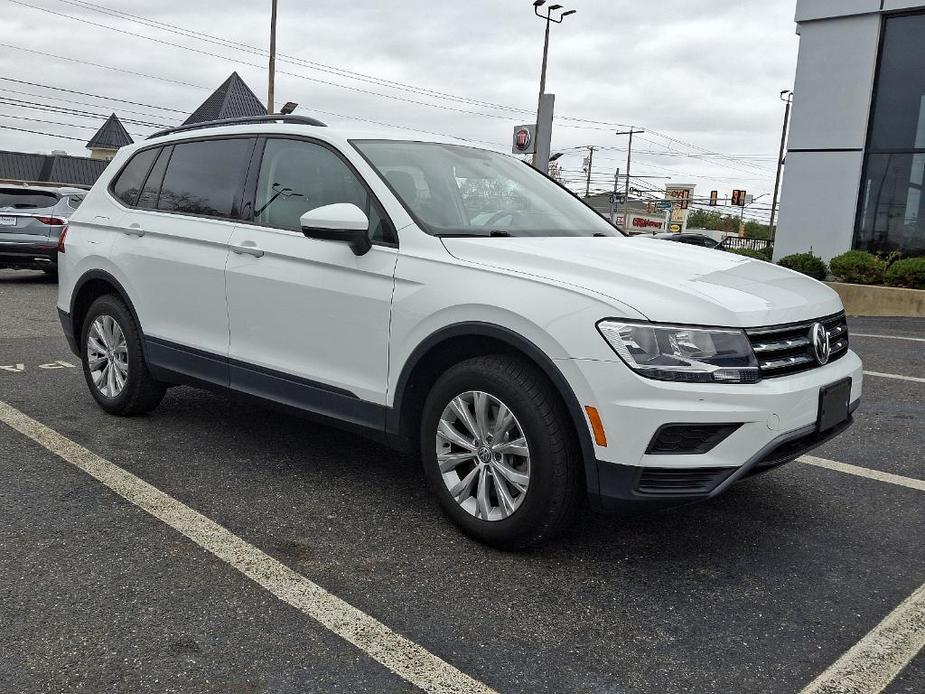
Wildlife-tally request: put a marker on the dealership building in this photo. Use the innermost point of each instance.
(855, 163)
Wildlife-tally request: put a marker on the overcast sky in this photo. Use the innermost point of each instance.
(705, 73)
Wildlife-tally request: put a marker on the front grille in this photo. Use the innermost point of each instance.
(682, 480)
(787, 349)
(689, 439)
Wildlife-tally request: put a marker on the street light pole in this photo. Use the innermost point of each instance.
(272, 76)
(550, 20)
(786, 96)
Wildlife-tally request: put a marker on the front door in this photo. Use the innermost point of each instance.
(309, 319)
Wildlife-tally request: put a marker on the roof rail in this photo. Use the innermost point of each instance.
(246, 120)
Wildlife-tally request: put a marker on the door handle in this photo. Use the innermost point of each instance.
(134, 230)
(248, 248)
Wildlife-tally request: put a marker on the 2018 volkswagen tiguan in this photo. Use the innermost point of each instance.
(454, 302)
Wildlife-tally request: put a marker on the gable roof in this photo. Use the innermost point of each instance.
(233, 99)
(111, 136)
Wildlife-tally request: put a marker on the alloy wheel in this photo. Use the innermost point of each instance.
(483, 456)
(107, 356)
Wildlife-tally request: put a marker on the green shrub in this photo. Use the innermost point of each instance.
(858, 267)
(750, 253)
(909, 273)
(806, 263)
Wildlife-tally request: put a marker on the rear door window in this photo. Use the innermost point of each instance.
(18, 199)
(206, 177)
(128, 185)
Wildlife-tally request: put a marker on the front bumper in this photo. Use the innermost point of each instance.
(775, 422)
(33, 255)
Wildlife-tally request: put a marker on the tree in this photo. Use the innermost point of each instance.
(729, 224)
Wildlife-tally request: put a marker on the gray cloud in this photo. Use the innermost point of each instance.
(706, 72)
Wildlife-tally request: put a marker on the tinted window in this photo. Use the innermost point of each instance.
(205, 177)
(129, 183)
(297, 176)
(148, 197)
(19, 199)
(899, 108)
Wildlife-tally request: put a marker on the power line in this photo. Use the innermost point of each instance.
(20, 103)
(95, 96)
(55, 122)
(39, 132)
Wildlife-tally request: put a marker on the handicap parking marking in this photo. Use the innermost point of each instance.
(875, 661)
(887, 477)
(889, 337)
(408, 660)
(895, 377)
(50, 366)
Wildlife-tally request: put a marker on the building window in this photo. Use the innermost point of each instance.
(892, 210)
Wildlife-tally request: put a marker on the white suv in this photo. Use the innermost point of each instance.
(450, 301)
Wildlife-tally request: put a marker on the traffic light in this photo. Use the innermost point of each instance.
(714, 198)
(739, 198)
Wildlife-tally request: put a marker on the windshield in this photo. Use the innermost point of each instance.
(454, 190)
(20, 199)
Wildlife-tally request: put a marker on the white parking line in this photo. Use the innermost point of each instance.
(895, 377)
(890, 337)
(402, 656)
(887, 477)
(875, 661)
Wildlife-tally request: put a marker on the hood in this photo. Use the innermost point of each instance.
(666, 282)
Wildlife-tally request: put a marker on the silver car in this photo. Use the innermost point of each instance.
(31, 221)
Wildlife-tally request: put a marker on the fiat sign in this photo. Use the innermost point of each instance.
(524, 139)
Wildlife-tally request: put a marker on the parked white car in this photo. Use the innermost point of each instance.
(531, 358)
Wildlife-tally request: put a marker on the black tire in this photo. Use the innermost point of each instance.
(141, 393)
(556, 475)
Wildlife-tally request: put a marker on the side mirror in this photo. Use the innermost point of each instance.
(343, 222)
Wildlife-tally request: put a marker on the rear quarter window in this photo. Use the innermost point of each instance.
(129, 182)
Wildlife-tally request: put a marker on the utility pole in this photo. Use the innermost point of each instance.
(272, 76)
(629, 162)
(613, 198)
(539, 134)
(786, 96)
(590, 164)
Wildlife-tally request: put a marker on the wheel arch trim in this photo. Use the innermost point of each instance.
(530, 351)
(106, 277)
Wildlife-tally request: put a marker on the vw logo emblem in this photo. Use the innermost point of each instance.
(822, 348)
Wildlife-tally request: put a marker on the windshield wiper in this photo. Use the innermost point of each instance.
(474, 234)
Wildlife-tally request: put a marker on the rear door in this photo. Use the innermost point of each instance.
(309, 319)
(173, 249)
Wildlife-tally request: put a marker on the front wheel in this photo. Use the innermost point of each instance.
(499, 452)
(113, 360)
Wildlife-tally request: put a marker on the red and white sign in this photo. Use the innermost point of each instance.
(645, 224)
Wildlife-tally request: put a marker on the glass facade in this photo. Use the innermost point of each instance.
(892, 206)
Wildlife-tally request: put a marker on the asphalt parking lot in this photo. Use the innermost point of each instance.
(760, 590)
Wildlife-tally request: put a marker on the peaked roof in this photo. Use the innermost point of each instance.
(50, 168)
(234, 99)
(111, 136)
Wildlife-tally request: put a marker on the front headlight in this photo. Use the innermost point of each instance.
(675, 353)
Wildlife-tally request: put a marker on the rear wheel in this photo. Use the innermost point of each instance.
(113, 360)
(499, 452)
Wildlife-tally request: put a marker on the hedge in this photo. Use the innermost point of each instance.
(807, 263)
(908, 273)
(858, 267)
